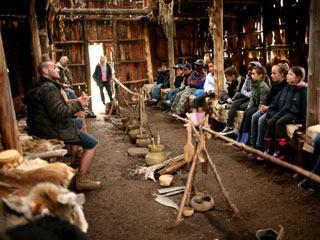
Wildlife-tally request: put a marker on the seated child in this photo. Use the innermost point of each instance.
(259, 97)
(198, 114)
(288, 107)
(240, 100)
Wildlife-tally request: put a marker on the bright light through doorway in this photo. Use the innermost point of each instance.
(95, 52)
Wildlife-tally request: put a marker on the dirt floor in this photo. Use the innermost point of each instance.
(125, 208)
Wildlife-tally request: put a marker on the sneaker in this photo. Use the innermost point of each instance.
(91, 115)
(226, 131)
(84, 182)
(167, 103)
(307, 184)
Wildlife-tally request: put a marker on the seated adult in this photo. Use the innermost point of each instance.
(49, 117)
(195, 82)
(308, 184)
(163, 81)
(240, 100)
(66, 82)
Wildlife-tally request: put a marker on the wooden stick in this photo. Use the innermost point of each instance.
(272, 159)
(188, 187)
(173, 167)
(222, 188)
(155, 167)
(124, 87)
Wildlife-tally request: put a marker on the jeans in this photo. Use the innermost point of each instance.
(171, 95)
(87, 141)
(316, 155)
(70, 93)
(254, 127)
(262, 127)
(156, 92)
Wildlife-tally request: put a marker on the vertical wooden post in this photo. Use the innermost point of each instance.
(8, 123)
(313, 106)
(148, 53)
(171, 51)
(35, 41)
(218, 48)
(115, 57)
(86, 55)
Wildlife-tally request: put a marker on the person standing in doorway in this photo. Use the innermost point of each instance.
(103, 77)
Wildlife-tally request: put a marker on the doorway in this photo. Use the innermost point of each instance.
(95, 52)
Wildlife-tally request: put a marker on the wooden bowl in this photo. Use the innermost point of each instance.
(165, 180)
(202, 203)
(188, 211)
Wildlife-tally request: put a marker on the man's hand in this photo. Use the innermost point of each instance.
(81, 114)
(229, 100)
(210, 91)
(264, 108)
(84, 100)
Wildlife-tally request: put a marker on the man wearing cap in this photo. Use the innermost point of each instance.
(182, 75)
(163, 81)
(196, 81)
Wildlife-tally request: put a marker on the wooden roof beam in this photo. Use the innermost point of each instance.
(102, 11)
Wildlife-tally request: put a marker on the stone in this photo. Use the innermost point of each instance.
(137, 152)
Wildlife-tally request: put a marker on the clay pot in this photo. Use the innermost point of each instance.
(155, 155)
(133, 124)
(133, 134)
(143, 140)
(202, 203)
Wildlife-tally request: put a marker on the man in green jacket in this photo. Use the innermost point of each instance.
(49, 116)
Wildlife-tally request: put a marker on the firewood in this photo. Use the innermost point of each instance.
(173, 167)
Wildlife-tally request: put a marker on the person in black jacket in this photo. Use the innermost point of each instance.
(50, 117)
(103, 77)
(288, 107)
(163, 81)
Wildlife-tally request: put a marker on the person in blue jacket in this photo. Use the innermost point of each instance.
(288, 107)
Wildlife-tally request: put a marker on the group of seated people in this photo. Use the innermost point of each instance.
(268, 105)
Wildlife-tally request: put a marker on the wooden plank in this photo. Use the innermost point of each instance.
(132, 61)
(69, 42)
(102, 41)
(313, 102)
(8, 123)
(104, 11)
